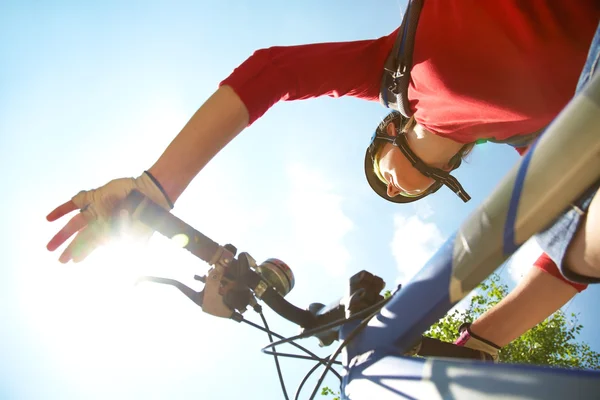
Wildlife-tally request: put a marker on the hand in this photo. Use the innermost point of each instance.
(98, 211)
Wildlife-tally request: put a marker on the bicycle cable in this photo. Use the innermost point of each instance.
(330, 325)
(308, 374)
(313, 356)
(370, 311)
(301, 357)
(337, 352)
(327, 362)
(279, 374)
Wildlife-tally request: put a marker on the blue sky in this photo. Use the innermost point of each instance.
(95, 91)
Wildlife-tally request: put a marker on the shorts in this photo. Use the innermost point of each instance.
(555, 239)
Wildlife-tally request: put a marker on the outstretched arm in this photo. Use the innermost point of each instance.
(267, 77)
(270, 75)
(220, 119)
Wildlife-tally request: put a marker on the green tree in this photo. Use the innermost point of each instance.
(326, 391)
(552, 342)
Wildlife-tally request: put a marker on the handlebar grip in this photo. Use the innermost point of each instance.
(325, 315)
(154, 216)
(431, 347)
(286, 309)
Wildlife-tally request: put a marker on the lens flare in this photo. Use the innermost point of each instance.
(180, 240)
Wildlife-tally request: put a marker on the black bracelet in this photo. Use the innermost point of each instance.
(159, 186)
(467, 326)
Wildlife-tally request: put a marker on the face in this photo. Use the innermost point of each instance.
(400, 176)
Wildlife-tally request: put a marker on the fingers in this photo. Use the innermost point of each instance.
(61, 210)
(75, 224)
(82, 246)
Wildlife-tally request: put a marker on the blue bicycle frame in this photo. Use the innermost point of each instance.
(556, 171)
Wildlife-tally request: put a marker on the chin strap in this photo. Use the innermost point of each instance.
(468, 339)
(439, 175)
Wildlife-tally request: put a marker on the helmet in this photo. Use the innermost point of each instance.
(441, 177)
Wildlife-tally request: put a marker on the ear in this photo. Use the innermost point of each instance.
(391, 129)
(454, 161)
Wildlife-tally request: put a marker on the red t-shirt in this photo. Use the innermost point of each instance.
(481, 69)
(308, 71)
(496, 69)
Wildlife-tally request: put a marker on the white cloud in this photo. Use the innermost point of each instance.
(318, 221)
(413, 244)
(523, 259)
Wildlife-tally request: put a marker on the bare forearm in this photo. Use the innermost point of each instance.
(535, 298)
(221, 118)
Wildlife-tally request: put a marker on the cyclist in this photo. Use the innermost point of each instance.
(541, 292)
(481, 70)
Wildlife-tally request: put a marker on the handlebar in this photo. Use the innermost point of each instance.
(234, 283)
(151, 214)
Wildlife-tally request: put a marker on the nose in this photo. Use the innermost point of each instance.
(392, 190)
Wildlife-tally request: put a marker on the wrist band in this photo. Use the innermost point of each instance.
(159, 186)
(466, 334)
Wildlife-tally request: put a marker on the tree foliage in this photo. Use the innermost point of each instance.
(552, 342)
(326, 391)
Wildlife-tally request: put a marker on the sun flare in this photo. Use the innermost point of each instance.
(93, 313)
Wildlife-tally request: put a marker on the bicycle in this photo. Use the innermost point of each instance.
(377, 335)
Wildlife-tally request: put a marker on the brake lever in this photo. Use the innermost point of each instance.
(196, 297)
(209, 298)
